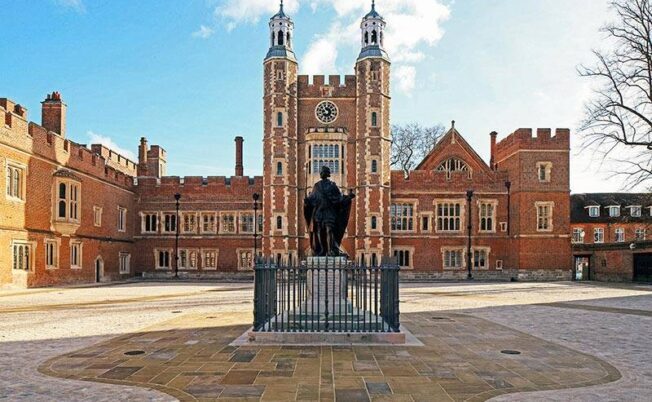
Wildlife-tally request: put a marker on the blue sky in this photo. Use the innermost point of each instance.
(187, 74)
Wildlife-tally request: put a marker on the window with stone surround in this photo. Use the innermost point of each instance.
(544, 171)
(279, 168)
(51, 254)
(189, 222)
(374, 166)
(374, 222)
(640, 234)
(22, 255)
(453, 258)
(97, 216)
(246, 222)
(325, 155)
(68, 201)
(598, 235)
(209, 222)
(374, 119)
(122, 219)
(76, 255)
(279, 119)
(245, 259)
(404, 257)
(124, 262)
(544, 216)
(452, 165)
(402, 217)
(169, 220)
(163, 258)
(449, 216)
(487, 216)
(620, 235)
(149, 223)
(209, 259)
(228, 223)
(15, 181)
(480, 257)
(188, 259)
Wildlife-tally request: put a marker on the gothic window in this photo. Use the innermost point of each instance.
(453, 258)
(453, 165)
(246, 222)
(210, 259)
(487, 216)
(15, 178)
(288, 38)
(402, 216)
(162, 259)
(169, 223)
(403, 258)
(374, 37)
(279, 168)
(449, 216)
(280, 38)
(480, 258)
(374, 223)
(76, 255)
(228, 224)
(209, 223)
(366, 38)
(150, 223)
(374, 119)
(122, 219)
(279, 223)
(544, 216)
(51, 254)
(326, 155)
(124, 262)
(190, 223)
(68, 198)
(22, 256)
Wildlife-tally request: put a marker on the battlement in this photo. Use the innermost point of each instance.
(75, 156)
(524, 138)
(15, 115)
(115, 160)
(215, 188)
(233, 182)
(316, 86)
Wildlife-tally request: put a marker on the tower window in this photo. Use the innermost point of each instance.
(374, 119)
(374, 166)
(288, 38)
(279, 169)
(366, 38)
(374, 223)
(374, 37)
(280, 38)
(279, 119)
(279, 223)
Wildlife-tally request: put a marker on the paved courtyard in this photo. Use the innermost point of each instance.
(577, 342)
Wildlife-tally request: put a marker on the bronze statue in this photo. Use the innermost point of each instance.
(327, 212)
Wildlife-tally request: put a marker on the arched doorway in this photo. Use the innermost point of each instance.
(99, 269)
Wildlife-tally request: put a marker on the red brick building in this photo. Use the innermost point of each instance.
(73, 213)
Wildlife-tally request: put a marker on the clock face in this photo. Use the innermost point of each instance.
(326, 112)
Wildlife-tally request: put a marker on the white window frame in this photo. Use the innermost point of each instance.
(76, 253)
(636, 208)
(619, 235)
(446, 219)
(487, 251)
(164, 224)
(97, 216)
(546, 167)
(598, 235)
(578, 236)
(396, 253)
(245, 265)
(549, 219)
(638, 233)
(446, 261)
(15, 192)
(22, 247)
(124, 263)
(493, 204)
(241, 222)
(232, 226)
(614, 211)
(122, 219)
(594, 211)
(213, 228)
(72, 201)
(185, 259)
(157, 260)
(204, 259)
(402, 214)
(187, 219)
(145, 219)
(51, 253)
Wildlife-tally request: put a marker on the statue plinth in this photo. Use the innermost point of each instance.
(326, 281)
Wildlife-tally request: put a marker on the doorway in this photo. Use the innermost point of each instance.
(582, 268)
(99, 269)
(643, 267)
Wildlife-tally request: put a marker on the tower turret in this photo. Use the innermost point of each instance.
(281, 33)
(373, 37)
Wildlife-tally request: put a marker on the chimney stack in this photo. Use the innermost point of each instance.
(493, 149)
(142, 157)
(53, 114)
(239, 168)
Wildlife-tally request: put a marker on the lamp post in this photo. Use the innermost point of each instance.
(256, 197)
(177, 197)
(469, 227)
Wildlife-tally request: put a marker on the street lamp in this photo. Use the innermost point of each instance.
(177, 197)
(256, 197)
(469, 255)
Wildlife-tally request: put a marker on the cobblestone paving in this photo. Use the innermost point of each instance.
(189, 358)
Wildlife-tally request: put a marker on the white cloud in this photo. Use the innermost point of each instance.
(412, 27)
(406, 78)
(95, 138)
(204, 32)
(75, 5)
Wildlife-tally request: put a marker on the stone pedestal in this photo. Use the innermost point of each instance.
(326, 282)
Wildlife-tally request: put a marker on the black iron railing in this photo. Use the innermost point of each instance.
(326, 295)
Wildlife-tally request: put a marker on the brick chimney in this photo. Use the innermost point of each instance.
(53, 114)
(142, 157)
(239, 168)
(493, 135)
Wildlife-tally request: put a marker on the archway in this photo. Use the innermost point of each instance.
(99, 269)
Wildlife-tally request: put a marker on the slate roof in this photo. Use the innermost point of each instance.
(581, 202)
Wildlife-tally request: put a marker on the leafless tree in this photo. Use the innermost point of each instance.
(411, 143)
(618, 119)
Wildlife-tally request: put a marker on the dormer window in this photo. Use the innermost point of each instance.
(635, 211)
(614, 211)
(594, 211)
(454, 165)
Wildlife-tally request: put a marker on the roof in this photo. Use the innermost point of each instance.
(373, 51)
(373, 13)
(281, 13)
(581, 202)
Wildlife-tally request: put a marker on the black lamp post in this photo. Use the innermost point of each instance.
(177, 197)
(256, 197)
(469, 227)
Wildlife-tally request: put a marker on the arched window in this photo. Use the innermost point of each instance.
(374, 166)
(374, 37)
(453, 165)
(279, 223)
(288, 39)
(280, 38)
(273, 38)
(374, 119)
(381, 38)
(366, 38)
(279, 168)
(279, 119)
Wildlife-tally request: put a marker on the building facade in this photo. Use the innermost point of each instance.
(73, 213)
(611, 236)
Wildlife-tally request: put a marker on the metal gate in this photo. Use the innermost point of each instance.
(643, 267)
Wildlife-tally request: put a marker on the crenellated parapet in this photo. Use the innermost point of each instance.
(316, 86)
(418, 180)
(524, 138)
(196, 186)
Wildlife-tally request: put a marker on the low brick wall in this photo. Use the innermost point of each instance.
(507, 275)
(208, 276)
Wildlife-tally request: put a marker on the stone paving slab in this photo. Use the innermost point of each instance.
(189, 358)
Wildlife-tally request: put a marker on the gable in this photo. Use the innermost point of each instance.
(454, 153)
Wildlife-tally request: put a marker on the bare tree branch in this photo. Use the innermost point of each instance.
(411, 143)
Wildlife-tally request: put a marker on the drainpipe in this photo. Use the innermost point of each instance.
(469, 227)
(508, 184)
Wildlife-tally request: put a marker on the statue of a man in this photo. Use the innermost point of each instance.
(327, 215)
